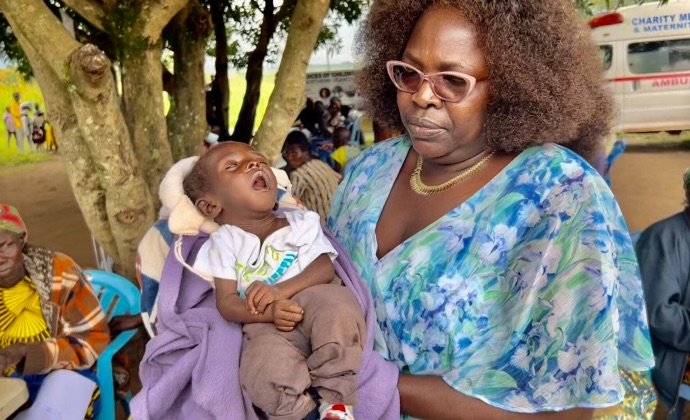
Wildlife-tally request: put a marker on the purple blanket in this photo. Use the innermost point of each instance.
(190, 369)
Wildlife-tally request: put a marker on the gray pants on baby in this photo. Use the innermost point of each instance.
(323, 352)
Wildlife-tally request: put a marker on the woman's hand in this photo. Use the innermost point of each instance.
(430, 397)
(12, 356)
(286, 314)
(259, 296)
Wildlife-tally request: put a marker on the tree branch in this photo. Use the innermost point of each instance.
(288, 96)
(90, 10)
(257, 7)
(158, 15)
(42, 30)
(84, 178)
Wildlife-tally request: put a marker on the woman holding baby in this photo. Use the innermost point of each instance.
(503, 276)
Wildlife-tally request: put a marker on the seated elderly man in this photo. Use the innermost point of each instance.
(50, 318)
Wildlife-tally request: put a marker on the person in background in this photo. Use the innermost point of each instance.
(51, 140)
(313, 181)
(50, 317)
(310, 117)
(38, 135)
(333, 119)
(10, 127)
(344, 153)
(16, 111)
(27, 125)
(212, 137)
(663, 252)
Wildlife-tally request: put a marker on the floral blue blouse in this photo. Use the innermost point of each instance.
(526, 296)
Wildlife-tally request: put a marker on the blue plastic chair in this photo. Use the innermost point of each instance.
(616, 152)
(118, 296)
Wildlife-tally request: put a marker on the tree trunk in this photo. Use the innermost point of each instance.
(244, 129)
(220, 89)
(128, 201)
(288, 95)
(82, 102)
(81, 169)
(142, 88)
(186, 119)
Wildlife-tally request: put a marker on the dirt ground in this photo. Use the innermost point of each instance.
(42, 193)
(647, 185)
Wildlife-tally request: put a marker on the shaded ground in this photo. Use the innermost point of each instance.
(42, 193)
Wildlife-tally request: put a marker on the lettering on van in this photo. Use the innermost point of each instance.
(661, 23)
(671, 81)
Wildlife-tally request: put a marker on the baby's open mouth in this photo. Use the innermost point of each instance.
(260, 181)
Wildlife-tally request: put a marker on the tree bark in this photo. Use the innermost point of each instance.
(142, 90)
(137, 29)
(186, 119)
(90, 10)
(220, 89)
(244, 129)
(288, 95)
(81, 169)
(128, 201)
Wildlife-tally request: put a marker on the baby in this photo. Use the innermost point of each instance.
(275, 275)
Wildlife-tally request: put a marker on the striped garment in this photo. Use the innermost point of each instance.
(315, 184)
(76, 323)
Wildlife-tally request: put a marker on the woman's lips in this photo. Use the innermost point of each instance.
(422, 128)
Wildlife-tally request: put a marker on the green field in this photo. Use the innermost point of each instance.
(237, 87)
(11, 81)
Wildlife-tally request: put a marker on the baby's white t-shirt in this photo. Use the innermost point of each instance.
(234, 254)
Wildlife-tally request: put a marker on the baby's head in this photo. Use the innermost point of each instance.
(232, 182)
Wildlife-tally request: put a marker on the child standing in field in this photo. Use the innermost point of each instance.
(275, 276)
(9, 126)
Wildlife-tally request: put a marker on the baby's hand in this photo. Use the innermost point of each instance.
(286, 314)
(259, 296)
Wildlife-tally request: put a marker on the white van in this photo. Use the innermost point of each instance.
(646, 54)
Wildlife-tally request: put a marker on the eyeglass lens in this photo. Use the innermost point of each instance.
(446, 86)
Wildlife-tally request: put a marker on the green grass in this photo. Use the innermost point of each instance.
(238, 85)
(12, 156)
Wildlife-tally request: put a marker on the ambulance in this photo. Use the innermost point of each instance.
(645, 51)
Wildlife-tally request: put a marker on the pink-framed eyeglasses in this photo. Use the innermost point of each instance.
(449, 86)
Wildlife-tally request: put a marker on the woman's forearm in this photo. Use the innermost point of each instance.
(430, 397)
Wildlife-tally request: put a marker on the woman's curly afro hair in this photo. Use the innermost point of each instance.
(545, 78)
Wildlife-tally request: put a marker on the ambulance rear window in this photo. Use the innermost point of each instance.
(606, 56)
(659, 56)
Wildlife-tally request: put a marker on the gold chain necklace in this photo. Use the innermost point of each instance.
(421, 188)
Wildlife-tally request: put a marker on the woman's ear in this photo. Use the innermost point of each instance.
(208, 207)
